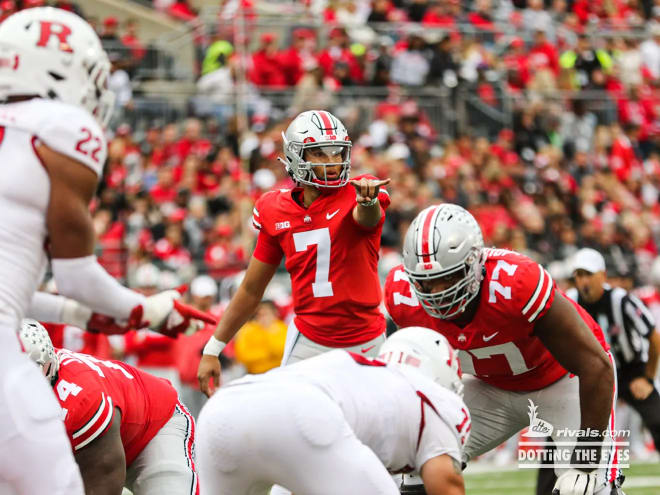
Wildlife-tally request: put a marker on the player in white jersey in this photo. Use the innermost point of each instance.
(53, 104)
(340, 423)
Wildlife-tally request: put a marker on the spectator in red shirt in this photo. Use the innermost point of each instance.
(165, 189)
(266, 68)
(336, 50)
(543, 54)
(516, 61)
(292, 58)
(110, 242)
(131, 41)
(222, 256)
(182, 11)
(170, 249)
(192, 141)
(437, 15)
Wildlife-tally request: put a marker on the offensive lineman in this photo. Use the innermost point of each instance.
(329, 232)
(126, 427)
(338, 422)
(53, 103)
(518, 336)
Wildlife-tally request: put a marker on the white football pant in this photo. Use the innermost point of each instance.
(499, 414)
(298, 347)
(35, 453)
(252, 436)
(166, 466)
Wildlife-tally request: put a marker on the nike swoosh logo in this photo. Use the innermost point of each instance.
(367, 349)
(329, 216)
(487, 338)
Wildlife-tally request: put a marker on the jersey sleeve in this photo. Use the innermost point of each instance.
(445, 428)
(534, 291)
(438, 439)
(73, 132)
(268, 249)
(400, 300)
(89, 412)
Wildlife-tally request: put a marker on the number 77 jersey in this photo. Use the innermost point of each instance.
(332, 260)
(498, 345)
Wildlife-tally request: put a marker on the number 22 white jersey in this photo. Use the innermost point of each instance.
(25, 189)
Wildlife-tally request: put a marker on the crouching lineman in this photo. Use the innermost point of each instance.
(338, 422)
(126, 427)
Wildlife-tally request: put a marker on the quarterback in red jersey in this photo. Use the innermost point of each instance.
(315, 226)
(126, 427)
(517, 334)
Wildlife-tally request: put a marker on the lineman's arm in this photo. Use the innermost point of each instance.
(571, 342)
(442, 476)
(102, 463)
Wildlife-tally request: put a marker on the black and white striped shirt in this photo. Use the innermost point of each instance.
(627, 324)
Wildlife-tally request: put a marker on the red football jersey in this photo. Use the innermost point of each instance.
(89, 390)
(498, 344)
(332, 261)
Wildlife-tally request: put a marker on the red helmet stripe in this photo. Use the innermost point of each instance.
(426, 235)
(327, 124)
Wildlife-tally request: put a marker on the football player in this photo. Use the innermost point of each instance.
(328, 228)
(126, 427)
(340, 423)
(54, 102)
(519, 337)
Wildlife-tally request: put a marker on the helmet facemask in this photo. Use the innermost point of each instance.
(452, 301)
(313, 173)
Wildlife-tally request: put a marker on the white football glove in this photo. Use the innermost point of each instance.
(575, 482)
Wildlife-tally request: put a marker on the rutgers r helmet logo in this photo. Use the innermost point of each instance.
(57, 29)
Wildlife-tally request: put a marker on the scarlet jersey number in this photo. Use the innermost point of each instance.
(89, 145)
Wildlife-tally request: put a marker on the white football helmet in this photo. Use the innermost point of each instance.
(428, 352)
(55, 54)
(38, 347)
(444, 241)
(321, 130)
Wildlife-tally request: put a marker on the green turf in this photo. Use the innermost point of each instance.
(641, 479)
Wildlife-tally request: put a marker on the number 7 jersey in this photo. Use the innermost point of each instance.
(332, 260)
(498, 345)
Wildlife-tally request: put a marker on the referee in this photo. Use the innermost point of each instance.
(630, 329)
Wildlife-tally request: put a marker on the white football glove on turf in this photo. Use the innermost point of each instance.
(575, 482)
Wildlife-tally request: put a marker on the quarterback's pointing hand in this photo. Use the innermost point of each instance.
(367, 189)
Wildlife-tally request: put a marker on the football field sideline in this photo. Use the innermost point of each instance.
(641, 479)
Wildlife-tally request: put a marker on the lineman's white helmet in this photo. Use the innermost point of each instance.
(444, 241)
(55, 54)
(38, 347)
(428, 352)
(323, 131)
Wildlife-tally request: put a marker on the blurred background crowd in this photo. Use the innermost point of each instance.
(540, 117)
